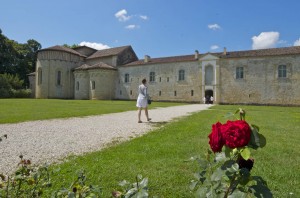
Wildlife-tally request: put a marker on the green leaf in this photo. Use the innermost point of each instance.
(217, 175)
(262, 141)
(193, 184)
(234, 168)
(254, 139)
(245, 153)
(201, 192)
(144, 183)
(227, 151)
(238, 194)
(220, 157)
(202, 163)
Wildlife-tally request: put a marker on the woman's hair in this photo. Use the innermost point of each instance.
(144, 81)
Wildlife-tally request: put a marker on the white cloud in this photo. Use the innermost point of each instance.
(297, 42)
(98, 46)
(214, 26)
(144, 17)
(214, 47)
(131, 27)
(122, 15)
(265, 40)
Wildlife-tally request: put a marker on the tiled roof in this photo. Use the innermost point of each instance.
(108, 52)
(263, 52)
(184, 58)
(100, 65)
(234, 54)
(62, 48)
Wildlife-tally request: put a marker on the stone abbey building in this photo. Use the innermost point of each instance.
(266, 76)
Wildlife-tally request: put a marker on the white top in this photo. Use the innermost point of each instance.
(142, 91)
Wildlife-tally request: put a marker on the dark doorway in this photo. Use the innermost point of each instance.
(208, 95)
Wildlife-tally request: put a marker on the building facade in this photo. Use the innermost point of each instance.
(266, 76)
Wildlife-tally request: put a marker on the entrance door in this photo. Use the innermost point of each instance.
(208, 94)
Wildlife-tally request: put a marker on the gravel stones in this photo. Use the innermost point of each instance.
(53, 140)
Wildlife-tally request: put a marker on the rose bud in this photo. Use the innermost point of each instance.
(248, 164)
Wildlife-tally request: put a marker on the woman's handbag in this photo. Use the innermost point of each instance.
(149, 100)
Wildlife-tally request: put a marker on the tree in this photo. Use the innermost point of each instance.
(18, 59)
(71, 46)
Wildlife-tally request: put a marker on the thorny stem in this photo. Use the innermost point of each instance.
(230, 186)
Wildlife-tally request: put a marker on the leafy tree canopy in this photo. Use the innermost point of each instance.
(16, 58)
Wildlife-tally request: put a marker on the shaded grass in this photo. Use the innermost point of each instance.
(20, 110)
(160, 155)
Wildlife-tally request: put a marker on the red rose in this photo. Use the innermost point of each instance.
(236, 133)
(215, 138)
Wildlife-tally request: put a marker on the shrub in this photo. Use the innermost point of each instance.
(21, 93)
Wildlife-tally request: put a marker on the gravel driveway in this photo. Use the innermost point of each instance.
(53, 140)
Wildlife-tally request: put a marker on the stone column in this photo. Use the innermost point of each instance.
(217, 83)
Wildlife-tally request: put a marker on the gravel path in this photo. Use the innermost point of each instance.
(53, 140)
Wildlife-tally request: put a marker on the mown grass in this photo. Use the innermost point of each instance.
(160, 155)
(20, 110)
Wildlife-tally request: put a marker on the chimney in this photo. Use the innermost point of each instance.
(196, 54)
(147, 59)
(225, 51)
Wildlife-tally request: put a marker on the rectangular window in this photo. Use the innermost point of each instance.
(192, 92)
(77, 85)
(93, 85)
(181, 75)
(152, 77)
(159, 93)
(159, 79)
(239, 73)
(167, 79)
(130, 92)
(282, 71)
(175, 93)
(126, 78)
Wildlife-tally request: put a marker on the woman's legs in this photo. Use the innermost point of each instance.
(147, 115)
(139, 115)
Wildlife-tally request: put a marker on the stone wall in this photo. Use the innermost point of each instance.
(166, 86)
(49, 63)
(82, 85)
(261, 84)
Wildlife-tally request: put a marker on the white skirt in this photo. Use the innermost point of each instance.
(142, 102)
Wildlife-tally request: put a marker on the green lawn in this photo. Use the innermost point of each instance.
(20, 110)
(161, 154)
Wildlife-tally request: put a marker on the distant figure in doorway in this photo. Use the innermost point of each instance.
(207, 100)
(142, 100)
(204, 100)
(211, 100)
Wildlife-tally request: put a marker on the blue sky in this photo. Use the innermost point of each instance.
(157, 28)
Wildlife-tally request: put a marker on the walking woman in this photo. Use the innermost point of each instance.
(142, 100)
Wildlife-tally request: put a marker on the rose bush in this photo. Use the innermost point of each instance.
(227, 174)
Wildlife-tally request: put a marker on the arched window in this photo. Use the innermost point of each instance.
(58, 78)
(93, 85)
(126, 78)
(282, 71)
(152, 77)
(40, 76)
(181, 75)
(209, 76)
